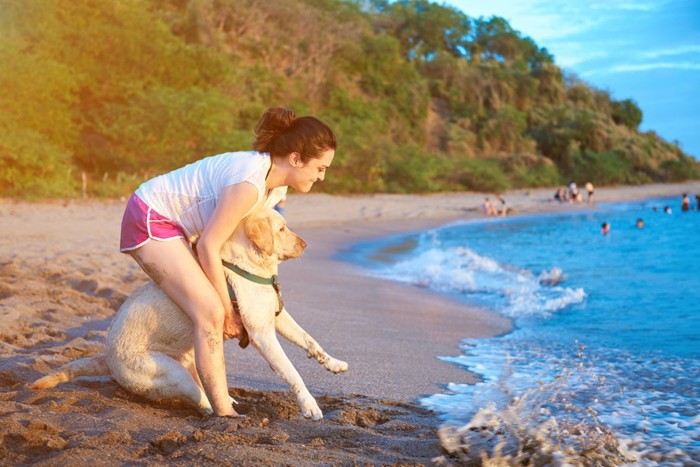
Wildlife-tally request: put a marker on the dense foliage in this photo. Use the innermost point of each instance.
(102, 94)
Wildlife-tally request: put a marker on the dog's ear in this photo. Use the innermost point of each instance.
(259, 231)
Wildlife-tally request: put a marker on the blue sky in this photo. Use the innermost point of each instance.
(644, 50)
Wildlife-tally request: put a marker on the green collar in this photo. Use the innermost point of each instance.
(251, 277)
(258, 280)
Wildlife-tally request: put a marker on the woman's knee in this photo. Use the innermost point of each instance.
(210, 317)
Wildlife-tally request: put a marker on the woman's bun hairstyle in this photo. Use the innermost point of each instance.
(274, 121)
(279, 133)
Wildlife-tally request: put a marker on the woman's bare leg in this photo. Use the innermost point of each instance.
(172, 265)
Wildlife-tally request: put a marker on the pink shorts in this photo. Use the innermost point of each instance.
(141, 224)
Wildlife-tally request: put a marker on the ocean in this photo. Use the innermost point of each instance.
(606, 333)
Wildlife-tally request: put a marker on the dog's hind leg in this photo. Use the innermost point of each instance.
(266, 343)
(187, 361)
(290, 330)
(93, 366)
(157, 376)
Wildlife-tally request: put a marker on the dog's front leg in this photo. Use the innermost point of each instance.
(269, 347)
(294, 333)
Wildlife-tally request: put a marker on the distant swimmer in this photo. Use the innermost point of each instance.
(605, 228)
(667, 210)
(685, 203)
(640, 223)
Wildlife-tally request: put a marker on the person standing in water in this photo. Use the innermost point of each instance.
(685, 203)
(202, 204)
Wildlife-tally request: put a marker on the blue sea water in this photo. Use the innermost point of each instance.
(618, 315)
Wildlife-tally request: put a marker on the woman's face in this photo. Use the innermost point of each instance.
(305, 174)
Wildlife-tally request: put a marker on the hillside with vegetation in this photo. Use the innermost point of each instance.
(99, 95)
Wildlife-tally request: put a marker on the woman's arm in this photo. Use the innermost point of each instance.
(234, 203)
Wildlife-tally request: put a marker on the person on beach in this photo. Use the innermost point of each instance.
(562, 195)
(504, 206)
(589, 190)
(605, 228)
(488, 208)
(573, 193)
(193, 210)
(279, 207)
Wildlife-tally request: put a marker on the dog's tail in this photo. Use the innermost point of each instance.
(93, 366)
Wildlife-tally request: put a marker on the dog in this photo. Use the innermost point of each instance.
(150, 345)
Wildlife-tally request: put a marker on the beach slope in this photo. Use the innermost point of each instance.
(62, 280)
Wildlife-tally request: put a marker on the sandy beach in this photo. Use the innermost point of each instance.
(62, 280)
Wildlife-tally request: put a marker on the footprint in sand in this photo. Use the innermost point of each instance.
(5, 292)
(86, 286)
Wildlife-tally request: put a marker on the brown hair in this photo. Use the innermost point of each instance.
(280, 132)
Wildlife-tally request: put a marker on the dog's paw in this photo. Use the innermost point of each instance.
(336, 366)
(310, 409)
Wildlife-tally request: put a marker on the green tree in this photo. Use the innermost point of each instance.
(424, 28)
(38, 118)
(627, 112)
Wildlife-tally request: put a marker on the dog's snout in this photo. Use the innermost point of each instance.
(302, 243)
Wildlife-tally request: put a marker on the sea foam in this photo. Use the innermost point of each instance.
(515, 292)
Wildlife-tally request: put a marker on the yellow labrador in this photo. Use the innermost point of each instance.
(150, 346)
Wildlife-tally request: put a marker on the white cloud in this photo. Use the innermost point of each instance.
(535, 18)
(570, 54)
(637, 67)
(551, 20)
(680, 50)
(628, 6)
(654, 66)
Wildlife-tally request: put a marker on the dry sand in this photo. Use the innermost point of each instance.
(61, 281)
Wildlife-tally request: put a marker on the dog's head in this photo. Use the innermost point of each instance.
(261, 241)
(267, 231)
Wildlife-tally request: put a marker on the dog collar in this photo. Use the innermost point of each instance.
(258, 280)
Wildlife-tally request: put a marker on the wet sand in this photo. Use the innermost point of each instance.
(62, 280)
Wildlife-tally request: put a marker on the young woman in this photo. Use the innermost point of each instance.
(202, 203)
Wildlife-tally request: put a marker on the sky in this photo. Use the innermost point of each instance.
(645, 50)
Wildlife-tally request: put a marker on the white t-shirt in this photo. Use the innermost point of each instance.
(189, 195)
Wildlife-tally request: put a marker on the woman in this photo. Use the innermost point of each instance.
(202, 203)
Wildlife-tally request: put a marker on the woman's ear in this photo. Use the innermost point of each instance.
(259, 231)
(295, 160)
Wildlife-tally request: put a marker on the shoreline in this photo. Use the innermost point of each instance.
(62, 280)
